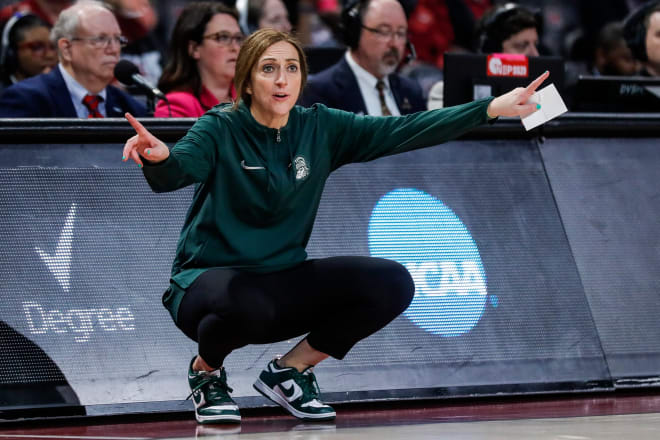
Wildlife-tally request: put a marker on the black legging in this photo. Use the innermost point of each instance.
(338, 301)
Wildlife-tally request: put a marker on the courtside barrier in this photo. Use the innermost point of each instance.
(534, 257)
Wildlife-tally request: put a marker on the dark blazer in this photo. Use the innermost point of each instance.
(46, 96)
(337, 87)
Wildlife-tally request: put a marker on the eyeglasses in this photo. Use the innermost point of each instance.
(103, 41)
(385, 33)
(38, 48)
(225, 38)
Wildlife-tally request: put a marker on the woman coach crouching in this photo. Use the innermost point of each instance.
(240, 275)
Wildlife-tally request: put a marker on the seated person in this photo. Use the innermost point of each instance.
(510, 28)
(268, 14)
(201, 60)
(26, 49)
(642, 33)
(612, 55)
(88, 42)
(131, 16)
(365, 81)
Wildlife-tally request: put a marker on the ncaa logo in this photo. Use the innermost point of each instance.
(420, 232)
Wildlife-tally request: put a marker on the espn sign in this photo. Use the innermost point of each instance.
(500, 64)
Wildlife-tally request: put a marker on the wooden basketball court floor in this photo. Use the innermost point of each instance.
(629, 415)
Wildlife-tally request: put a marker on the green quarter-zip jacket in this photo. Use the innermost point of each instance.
(258, 188)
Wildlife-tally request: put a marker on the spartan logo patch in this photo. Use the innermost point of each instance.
(302, 169)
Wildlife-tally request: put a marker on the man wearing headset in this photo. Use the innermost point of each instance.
(365, 81)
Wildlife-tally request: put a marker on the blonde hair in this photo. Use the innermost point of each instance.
(252, 49)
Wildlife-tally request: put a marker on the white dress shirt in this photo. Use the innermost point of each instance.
(367, 83)
(77, 92)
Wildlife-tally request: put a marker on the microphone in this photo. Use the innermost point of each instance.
(128, 73)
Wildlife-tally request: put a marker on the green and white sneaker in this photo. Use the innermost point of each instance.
(210, 393)
(294, 391)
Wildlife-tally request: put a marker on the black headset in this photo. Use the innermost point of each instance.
(634, 29)
(8, 56)
(489, 41)
(351, 22)
(351, 27)
(8, 40)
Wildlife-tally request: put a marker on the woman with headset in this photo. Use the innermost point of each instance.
(510, 28)
(26, 49)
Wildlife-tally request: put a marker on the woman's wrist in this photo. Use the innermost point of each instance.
(490, 112)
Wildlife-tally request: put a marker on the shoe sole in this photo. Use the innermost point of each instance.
(267, 392)
(217, 419)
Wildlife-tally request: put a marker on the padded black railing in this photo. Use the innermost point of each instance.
(55, 130)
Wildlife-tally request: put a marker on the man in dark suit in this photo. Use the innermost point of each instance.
(364, 80)
(88, 41)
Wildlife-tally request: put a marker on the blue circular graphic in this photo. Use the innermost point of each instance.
(419, 231)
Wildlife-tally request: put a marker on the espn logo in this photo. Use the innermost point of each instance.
(500, 64)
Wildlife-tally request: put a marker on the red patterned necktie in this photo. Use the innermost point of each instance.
(380, 85)
(92, 103)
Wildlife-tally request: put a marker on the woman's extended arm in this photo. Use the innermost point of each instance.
(190, 161)
(363, 138)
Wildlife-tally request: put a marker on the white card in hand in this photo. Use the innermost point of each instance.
(551, 106)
